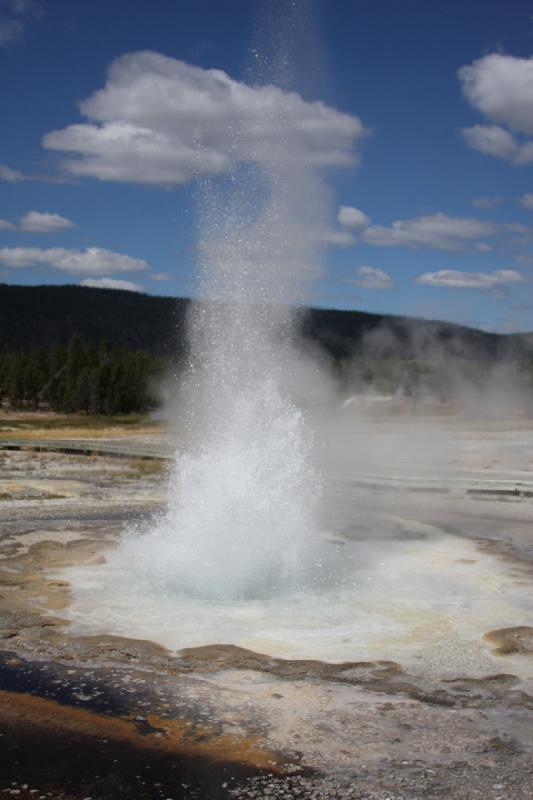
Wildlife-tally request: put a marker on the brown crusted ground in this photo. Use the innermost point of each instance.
(167, 735)
(512, 640)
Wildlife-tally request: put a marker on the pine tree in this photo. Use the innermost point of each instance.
(82, 396)
(54, 391)
(15, 381)
(76, 362)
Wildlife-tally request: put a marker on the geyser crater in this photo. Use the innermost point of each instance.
(422, 602)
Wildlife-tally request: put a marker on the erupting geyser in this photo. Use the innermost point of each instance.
(243, 494)
(244, 490)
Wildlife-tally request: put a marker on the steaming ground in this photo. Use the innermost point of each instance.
(397, 589)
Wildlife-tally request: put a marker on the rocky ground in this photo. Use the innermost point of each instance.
(109, 717)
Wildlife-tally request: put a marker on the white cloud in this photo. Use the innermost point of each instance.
(44, 222)
(14, 17)
(493, 140)
(501, 88)
(456, 279)
(526, 200)
(352, 217)
(14, 176)
(10, 175)
(483, 247)
(336, 238)
(38, 222)
(112, 283)
(371, 278)
(486, 202)
(524, 260)
(164, 122)
(435, 230)
(161, 276)
(517, 227)
(91, 261)
(499, 293)
(11, 29)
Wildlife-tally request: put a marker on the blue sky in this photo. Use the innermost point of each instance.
(433, 100)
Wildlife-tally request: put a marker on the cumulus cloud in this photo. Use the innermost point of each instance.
(371, 278)
(501, 88)
(44, 222)
(14, 18)
(435, 230)
(456, 279)
(161, 121)
(493, 140)
(112, 283)
(91, 261)
(38, 222)
(351, 217)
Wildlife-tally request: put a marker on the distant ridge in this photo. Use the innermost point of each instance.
(31, 316)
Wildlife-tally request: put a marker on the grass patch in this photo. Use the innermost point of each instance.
(52, 422)
(5, 496)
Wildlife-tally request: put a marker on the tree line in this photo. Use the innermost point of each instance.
(80, 377)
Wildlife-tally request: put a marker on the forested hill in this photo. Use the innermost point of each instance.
(45, 316)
